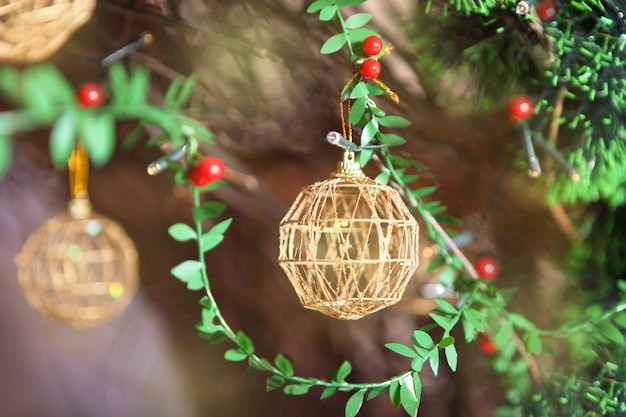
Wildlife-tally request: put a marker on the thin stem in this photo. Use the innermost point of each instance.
(345, 31)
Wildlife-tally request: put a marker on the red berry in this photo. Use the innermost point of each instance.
(486, 345)
(90, 95)
(487, 267)
(372, 45)
(209, 170)
(370, 68)
(546, 10)
(521, 108)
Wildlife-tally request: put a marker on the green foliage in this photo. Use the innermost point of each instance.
(46, 99)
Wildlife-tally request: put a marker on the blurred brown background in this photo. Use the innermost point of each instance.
(270, 97)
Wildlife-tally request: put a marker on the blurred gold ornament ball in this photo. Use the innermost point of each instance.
(79, 268)
(32, 30)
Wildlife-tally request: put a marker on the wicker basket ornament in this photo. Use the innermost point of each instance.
(32, 30)
(349, 245)
(79, 268)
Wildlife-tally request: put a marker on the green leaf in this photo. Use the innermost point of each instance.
(355, 402)
(475, 318)
(63, 139)
(620, 319)
(393, 121)
(333, 44)
(318, 5)
(6, 152)
(208, 210)
(365, 156)
(98, 134)
(532, 343)
(375, 392)
(445, 342)
(391, 139)
(382, 178)
(214, 338)
(358, 35)
(452, 357)
(347, 3)
(521, 322)
(357, 110)
(418, 363)
(610, 331)
(445, 307)
(186, 269)
(284, 364)
(359, 91)
(394, 393)
(401, 349)
(434, 361)
(274, 382)
(446, 277)
(138, 86)
(235, 355)
(357, 20)
(424, 191)
(220, 228)
(209, 242)
(118, 80)
(171, 93)
(296, 389)
(181, 232)
(328, 13)
(408, 397)
(186, 92)
(503, 335)
(244, 343)
(255, 367)
(369, 132)
(423, 339)
(328, 391)
(342, 372)
(435, 264)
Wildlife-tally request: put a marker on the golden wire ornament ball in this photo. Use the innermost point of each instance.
(79, 268)
(32, 30)
(349, 245)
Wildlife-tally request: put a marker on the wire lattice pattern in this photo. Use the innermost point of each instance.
(349, 246)
(80, 272)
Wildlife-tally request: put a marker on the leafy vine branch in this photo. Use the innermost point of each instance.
(44, 98)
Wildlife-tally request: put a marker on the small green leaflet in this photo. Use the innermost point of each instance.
(284, 364)
(245, 343)
(296, 389)
(181, 232)
(355, 402)
(189, 272)
(235, 355)
(6, 151)
(451, 356)
(63, 138)
(408, 397)
(401, 349)
(208, 210)
(274, 382)
(328, 391)
(98, 134)
(333, 44)
(342, 372)
(357, 20)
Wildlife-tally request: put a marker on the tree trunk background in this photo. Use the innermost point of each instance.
(271, 98)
